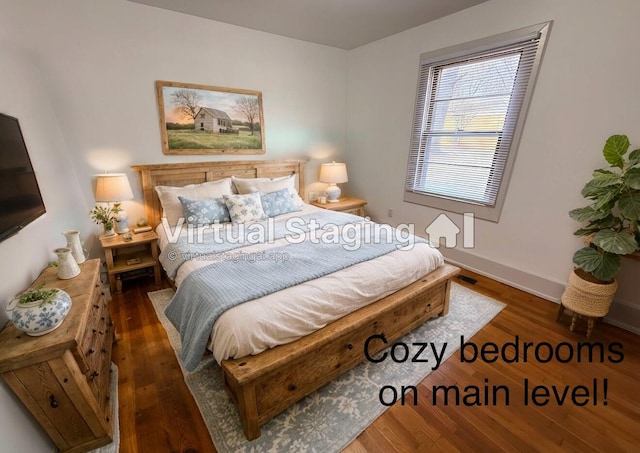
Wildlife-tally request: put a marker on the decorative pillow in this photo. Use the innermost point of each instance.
(278, 202)
(172, 206)
(268, 185)
(245, 208)
(204, 212)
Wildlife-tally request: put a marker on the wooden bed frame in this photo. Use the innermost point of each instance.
(264, 385)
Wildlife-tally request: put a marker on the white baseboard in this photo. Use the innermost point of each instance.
(531, 284)
(623, 314)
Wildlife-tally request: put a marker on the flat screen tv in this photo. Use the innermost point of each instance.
(20, 199)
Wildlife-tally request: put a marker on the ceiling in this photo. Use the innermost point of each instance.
(345, 24)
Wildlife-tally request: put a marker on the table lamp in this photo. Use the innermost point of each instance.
(114, 188)
(333, 173)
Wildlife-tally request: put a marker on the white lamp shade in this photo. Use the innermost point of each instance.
(113, 187)
(333, 173)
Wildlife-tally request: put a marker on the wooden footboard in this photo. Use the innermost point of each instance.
(264, 385)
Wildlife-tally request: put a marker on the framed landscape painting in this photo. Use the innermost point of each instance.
(200, 119)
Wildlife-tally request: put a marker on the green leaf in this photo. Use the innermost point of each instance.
(608, 222)
(606, 200)
(615, 147)
(620, 243)
(629, 205)
(632, 178)
(634, 158)
(602, 265)
(605, 179)
(587, 214)
(600, 184)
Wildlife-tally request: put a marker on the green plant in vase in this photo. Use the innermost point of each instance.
(45, 296)
(104, 215)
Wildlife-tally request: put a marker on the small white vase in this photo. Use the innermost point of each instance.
(73, 242)
(37, 318)
(67, 266)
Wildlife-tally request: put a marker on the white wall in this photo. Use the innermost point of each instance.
(585, 92)
(98, 62)
(25, 255)
(101, 59)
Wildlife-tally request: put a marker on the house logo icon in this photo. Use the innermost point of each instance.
(444, 227)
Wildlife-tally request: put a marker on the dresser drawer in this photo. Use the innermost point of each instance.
(96, 346)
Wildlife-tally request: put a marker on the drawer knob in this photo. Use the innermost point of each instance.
(103, 350)
(96, 306)
(90, 351)
(52, 401)
(349, 346)
(94, 331)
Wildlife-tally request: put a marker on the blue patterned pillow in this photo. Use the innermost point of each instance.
(245, 208)
(204, 212)
(278, 202)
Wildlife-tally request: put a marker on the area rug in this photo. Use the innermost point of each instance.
(333, 416)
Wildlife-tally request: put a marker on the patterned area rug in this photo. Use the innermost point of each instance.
(330, 418)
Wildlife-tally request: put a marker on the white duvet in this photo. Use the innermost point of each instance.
(292, 313)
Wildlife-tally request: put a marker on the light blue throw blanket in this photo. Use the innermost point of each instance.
(210, 290)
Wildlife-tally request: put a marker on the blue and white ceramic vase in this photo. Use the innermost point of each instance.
(38, 317)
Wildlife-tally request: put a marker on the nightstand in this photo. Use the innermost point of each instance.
(129, 259)
(346, 204)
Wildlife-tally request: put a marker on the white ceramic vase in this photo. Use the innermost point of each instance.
(73, 243)
(67, 266)
(37, 318)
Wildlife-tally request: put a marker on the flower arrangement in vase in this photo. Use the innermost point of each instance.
(105, 215)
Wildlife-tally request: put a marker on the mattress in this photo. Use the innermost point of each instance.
(289, 314)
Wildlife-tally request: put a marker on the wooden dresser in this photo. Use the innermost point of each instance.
(63, 377)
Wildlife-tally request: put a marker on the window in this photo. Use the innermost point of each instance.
(471, 104)
(202, 115)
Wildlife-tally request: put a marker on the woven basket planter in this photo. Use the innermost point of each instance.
(588, 298)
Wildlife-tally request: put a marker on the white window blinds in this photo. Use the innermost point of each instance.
(467, 114)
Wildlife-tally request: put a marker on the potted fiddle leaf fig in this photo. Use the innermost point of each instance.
(610, 226)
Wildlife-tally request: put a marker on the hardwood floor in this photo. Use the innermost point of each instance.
(158, 413)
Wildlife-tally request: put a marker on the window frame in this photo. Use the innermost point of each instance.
(422, 105)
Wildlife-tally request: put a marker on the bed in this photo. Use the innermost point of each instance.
(272, 374)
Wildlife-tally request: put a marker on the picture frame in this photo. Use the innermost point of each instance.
(201, 119)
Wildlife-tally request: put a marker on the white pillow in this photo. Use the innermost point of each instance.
(170, 202)
(245, 208)
(268, 185)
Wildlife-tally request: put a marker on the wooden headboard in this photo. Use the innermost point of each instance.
(182, 174)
